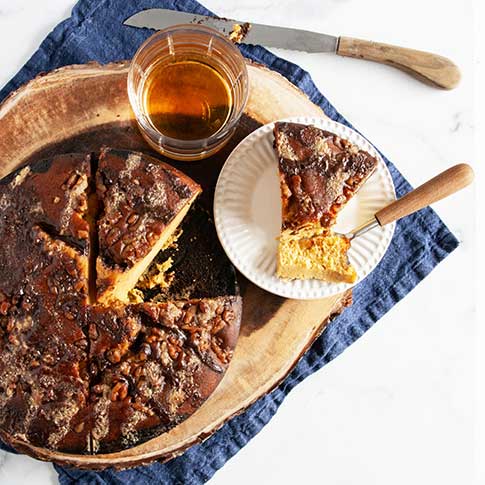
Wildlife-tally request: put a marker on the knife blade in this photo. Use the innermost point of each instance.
(267, 35)
(433, 69)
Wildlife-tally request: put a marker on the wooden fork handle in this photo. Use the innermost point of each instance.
(430, 68)
(439, 187)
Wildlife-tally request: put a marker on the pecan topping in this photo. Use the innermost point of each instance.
(74, 370)
(317, 168)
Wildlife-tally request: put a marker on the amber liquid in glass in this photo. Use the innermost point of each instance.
(186, 99)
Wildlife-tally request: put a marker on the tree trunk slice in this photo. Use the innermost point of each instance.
(80, 108)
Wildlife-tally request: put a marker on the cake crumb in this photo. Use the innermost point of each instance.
(239, 32)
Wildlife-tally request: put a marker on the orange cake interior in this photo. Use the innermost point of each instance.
(314, 256)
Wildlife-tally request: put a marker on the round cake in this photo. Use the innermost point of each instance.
(119, 311)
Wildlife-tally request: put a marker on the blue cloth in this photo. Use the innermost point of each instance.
(95, 32)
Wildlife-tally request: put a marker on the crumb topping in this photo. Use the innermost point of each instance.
(319, 173)
(76, 375)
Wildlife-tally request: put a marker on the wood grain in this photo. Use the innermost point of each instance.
(80, 108)
(439, 187)
(431, 68)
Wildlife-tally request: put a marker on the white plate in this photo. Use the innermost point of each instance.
(247, 213)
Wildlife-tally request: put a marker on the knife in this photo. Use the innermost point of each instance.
(430, 68)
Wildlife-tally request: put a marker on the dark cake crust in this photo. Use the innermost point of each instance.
(139, 196)
(80, 377)
(319, 173)
(155, 364)
(48, 194)
(43, 290)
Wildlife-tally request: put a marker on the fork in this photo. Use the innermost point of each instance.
(443, 185)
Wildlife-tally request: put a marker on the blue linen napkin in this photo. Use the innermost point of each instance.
(95, 32)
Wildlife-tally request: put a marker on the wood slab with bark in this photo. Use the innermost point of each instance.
(80, 108)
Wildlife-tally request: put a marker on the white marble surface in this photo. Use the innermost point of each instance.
(399, 405)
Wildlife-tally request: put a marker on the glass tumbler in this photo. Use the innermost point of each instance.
(187, 43)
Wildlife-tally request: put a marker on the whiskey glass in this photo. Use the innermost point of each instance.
(182, 43)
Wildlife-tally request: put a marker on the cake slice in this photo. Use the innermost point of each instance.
(43, 369)
(156, 364)
(43, 292)
(50, 194)
(142, 201)
(56, 192)
(319, 172)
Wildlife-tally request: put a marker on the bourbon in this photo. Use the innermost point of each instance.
(186, 99)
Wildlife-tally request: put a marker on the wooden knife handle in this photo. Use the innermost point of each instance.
(429, 68)
(439, 187)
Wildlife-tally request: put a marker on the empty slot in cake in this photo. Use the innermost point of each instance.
(79, 245)
(93, 211)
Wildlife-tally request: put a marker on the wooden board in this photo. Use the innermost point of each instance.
(80, 108)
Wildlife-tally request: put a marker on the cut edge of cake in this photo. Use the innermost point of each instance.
(119, 176)
(120, 287)
(322, 257)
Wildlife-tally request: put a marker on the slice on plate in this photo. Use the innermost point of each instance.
(319, 173)
(142, 201)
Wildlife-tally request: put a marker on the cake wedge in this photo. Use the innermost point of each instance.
(156, 363)
(319, 172)
(141, 203)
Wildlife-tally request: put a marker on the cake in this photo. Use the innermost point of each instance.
(155, 364)
(319, 172)
(141, 201)
(86, 374)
